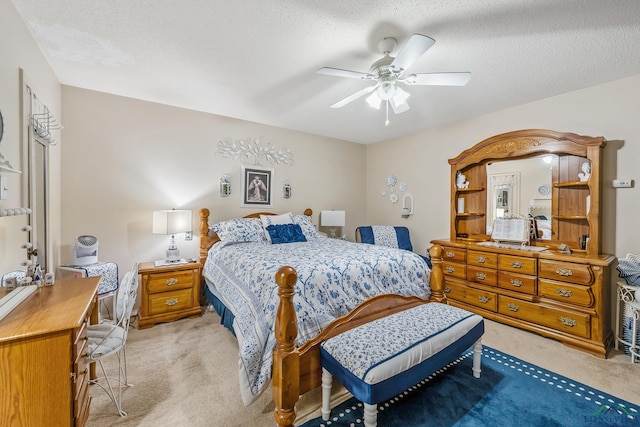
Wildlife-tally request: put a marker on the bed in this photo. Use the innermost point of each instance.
(281, 314)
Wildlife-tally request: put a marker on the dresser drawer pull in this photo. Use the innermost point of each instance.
(517, 264)
(172, 301)
(567, 321)
(449, 269)
(564, 292)
(483, 299)
(516, 282)
(481, 276)
(513, 307)
(172, 281)
(481, 259)
(564, 271)
(447, 289)
(449, 254)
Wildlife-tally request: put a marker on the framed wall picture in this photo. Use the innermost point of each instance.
(257, 183)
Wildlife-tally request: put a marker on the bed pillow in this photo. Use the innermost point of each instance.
(285, 233)
(268, 220)
(308, 229)
(239, 230)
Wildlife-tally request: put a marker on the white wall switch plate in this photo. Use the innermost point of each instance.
(622, 183)
(3, 188)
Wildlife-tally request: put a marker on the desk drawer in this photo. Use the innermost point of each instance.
(556, 318)
(163, 282)
(517, 264)
(471, 296)
(566, 272)
(168, 302)
(567, 292)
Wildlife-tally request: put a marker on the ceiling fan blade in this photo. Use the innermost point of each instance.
(411, 51)
(438, 79)
(343, 73)
(354, 96)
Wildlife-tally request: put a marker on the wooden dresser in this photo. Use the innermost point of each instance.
(45, 368)
(169, 292)
(556, 293)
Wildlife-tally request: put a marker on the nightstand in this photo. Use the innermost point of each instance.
(168, 292)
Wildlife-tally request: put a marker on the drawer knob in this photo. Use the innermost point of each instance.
(449, 254)
(567, 321)
(513, 307)
(517, 264)
(449, 269)
(516, 282)
(171, 281)
(564, 292)
(172, 301)
(481, 259)
(483, 299)
(564, 271)
(481, 276)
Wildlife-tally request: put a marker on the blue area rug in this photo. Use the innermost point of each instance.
(509, 392)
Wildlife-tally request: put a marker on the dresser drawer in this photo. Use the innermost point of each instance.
(485, 276)
(168, 302)
(482, 259)
(556, 318)
(471, 296)
(455, 255)
(454, 270)
(517, 282)
(163, 282)
(517, 264)
(567, 292)
(566, 272)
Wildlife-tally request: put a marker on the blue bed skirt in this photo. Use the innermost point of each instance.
(226, 316)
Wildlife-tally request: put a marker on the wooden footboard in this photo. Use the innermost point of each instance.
(297, 370)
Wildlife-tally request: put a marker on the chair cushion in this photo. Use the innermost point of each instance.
(104, 339)
(378, 360)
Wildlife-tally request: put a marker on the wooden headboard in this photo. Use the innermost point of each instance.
(209, 238)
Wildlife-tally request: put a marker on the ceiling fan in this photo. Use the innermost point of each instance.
(388, 74)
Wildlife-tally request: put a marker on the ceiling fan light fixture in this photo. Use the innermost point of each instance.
(386, 90)
(400, 96)
(374, 100)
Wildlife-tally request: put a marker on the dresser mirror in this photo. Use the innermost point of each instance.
(521, 187)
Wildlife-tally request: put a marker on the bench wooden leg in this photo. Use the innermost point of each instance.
(370, 415)
(326, 394)
(477, 356)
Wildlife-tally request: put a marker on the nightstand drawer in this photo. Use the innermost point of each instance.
(169, 281)
(168, 302)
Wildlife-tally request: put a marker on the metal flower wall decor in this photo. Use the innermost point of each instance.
(254, 149)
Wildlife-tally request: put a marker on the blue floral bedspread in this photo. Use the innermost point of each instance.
(334, 276)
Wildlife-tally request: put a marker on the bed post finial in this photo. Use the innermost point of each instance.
(437, 275)
(286, 361)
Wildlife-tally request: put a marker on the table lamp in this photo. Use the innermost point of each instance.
(332, 219)
(172, 222)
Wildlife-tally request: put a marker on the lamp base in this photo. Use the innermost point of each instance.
(332, 233)
(172, 255)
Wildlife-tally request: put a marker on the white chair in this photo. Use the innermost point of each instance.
(106, 339)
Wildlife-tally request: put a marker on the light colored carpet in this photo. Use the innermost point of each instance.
(185, 374)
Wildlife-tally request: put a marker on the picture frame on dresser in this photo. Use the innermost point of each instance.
(257, 185)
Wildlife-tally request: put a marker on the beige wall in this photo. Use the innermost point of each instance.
(17, 51)
(124, 158)
(610, 110)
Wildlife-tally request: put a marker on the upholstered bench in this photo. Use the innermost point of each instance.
(378, 360)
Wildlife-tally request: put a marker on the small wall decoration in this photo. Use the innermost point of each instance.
(254, 149)
(391, 182)
(256, 186)
(586, 172)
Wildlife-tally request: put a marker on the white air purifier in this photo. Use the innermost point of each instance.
(84, 250)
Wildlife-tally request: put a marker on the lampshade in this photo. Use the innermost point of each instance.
(332, 218)
(171, 221)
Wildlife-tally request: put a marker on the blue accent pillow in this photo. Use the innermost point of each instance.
(285, 233)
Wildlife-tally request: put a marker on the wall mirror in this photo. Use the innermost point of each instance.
(522, 187)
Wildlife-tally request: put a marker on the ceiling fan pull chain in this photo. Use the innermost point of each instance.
(386, 123)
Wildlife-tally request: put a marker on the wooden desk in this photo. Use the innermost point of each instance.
(43, 362)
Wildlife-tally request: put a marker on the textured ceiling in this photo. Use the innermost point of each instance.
(256, 60)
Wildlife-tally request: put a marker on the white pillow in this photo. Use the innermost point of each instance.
(308, 229)
(239, 230)
(268, 220)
